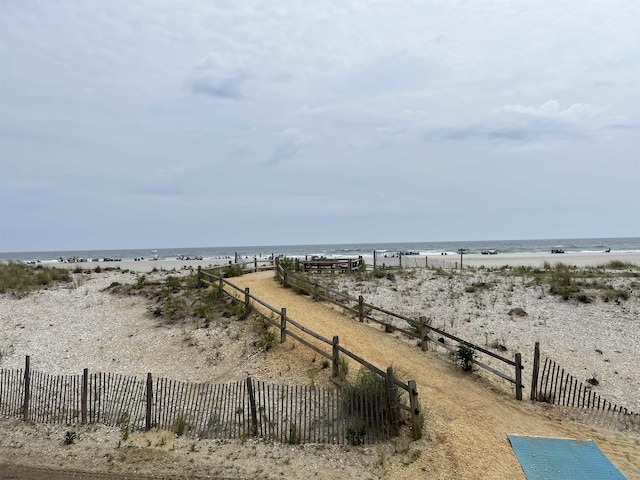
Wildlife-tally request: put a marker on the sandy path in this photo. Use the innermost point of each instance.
(467, 416)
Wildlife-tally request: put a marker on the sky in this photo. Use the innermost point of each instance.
(278, 122)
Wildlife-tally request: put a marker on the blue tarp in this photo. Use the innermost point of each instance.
(562, 459)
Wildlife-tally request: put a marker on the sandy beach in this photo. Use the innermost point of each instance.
(409, 261)
(68, 328)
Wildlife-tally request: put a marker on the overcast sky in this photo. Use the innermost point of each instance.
(140, 124)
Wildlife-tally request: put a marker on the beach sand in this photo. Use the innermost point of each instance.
(72, 327)
(409, 261)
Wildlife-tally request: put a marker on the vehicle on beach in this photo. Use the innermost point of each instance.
(489, 252)
(186, 257)
(557, 250)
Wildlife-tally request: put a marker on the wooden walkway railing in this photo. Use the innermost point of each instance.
(290, 328)
(418, 329)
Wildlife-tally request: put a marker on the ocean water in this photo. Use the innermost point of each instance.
(630, 244)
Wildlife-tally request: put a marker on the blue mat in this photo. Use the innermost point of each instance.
(562, 459)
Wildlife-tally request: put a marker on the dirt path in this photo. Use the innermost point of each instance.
(467, 416)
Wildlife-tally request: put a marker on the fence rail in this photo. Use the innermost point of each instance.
(418, 329)
(284, 325)
(249, 408)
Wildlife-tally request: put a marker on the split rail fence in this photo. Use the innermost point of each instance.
(250, 408)
(389, 409)
(413, 328)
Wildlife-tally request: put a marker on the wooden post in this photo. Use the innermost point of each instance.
(394, 408)
(518, 360)
(253, 422)
(255, 264)
(220, 282)
(199, 275)
(400, 259)
(235, 259)
(361, 308)
(335, 358)
(247, 305)
(283, 325)
(27, 388)
(416, 421)
(84, 395)
(374, 259)
(297, 265)
(426, 262)
(424, 342)
(149, 401)
(535, 371)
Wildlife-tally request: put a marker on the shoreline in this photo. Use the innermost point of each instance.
(536, 260)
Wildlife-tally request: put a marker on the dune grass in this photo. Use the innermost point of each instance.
(20, 279)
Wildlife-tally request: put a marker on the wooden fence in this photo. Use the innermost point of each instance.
(413, 328)
(250, 408)
(554, 385)
(290, 328)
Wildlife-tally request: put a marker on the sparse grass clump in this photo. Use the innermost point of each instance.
(19, 279)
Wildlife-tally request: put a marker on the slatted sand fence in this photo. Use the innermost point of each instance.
(280, 413)
(11, 392)
(556, 386)
(249, 408)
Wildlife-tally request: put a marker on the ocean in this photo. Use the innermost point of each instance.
(630, 244)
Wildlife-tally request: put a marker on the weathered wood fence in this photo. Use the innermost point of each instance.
(554, 385)
(418, 329)
(290, 328)
(250, 408)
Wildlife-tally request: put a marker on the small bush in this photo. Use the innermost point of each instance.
(267, 341)
(180, 425)
(466, 354)
(70, 437)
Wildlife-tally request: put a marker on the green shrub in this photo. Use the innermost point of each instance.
(233, 271)
(288, 264)
(180, 425)
(466, 354)
(267, 340)
(70, 437)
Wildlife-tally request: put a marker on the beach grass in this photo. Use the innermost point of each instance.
(20, 279)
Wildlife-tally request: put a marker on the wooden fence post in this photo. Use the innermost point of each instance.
(247, 306)
(361, 308)
(199, 275)
(374, 259)
(27, 388)
(518, 360)
(400, 259)
(534, 373)
(255, 264)
(424, 342)
(83, 395)
(149, 401)
(394, 408)
(297, 265)
(220, 282)
(283, 325)
(416, 420)
(335, 360)
(235, 258)
(253, 423)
